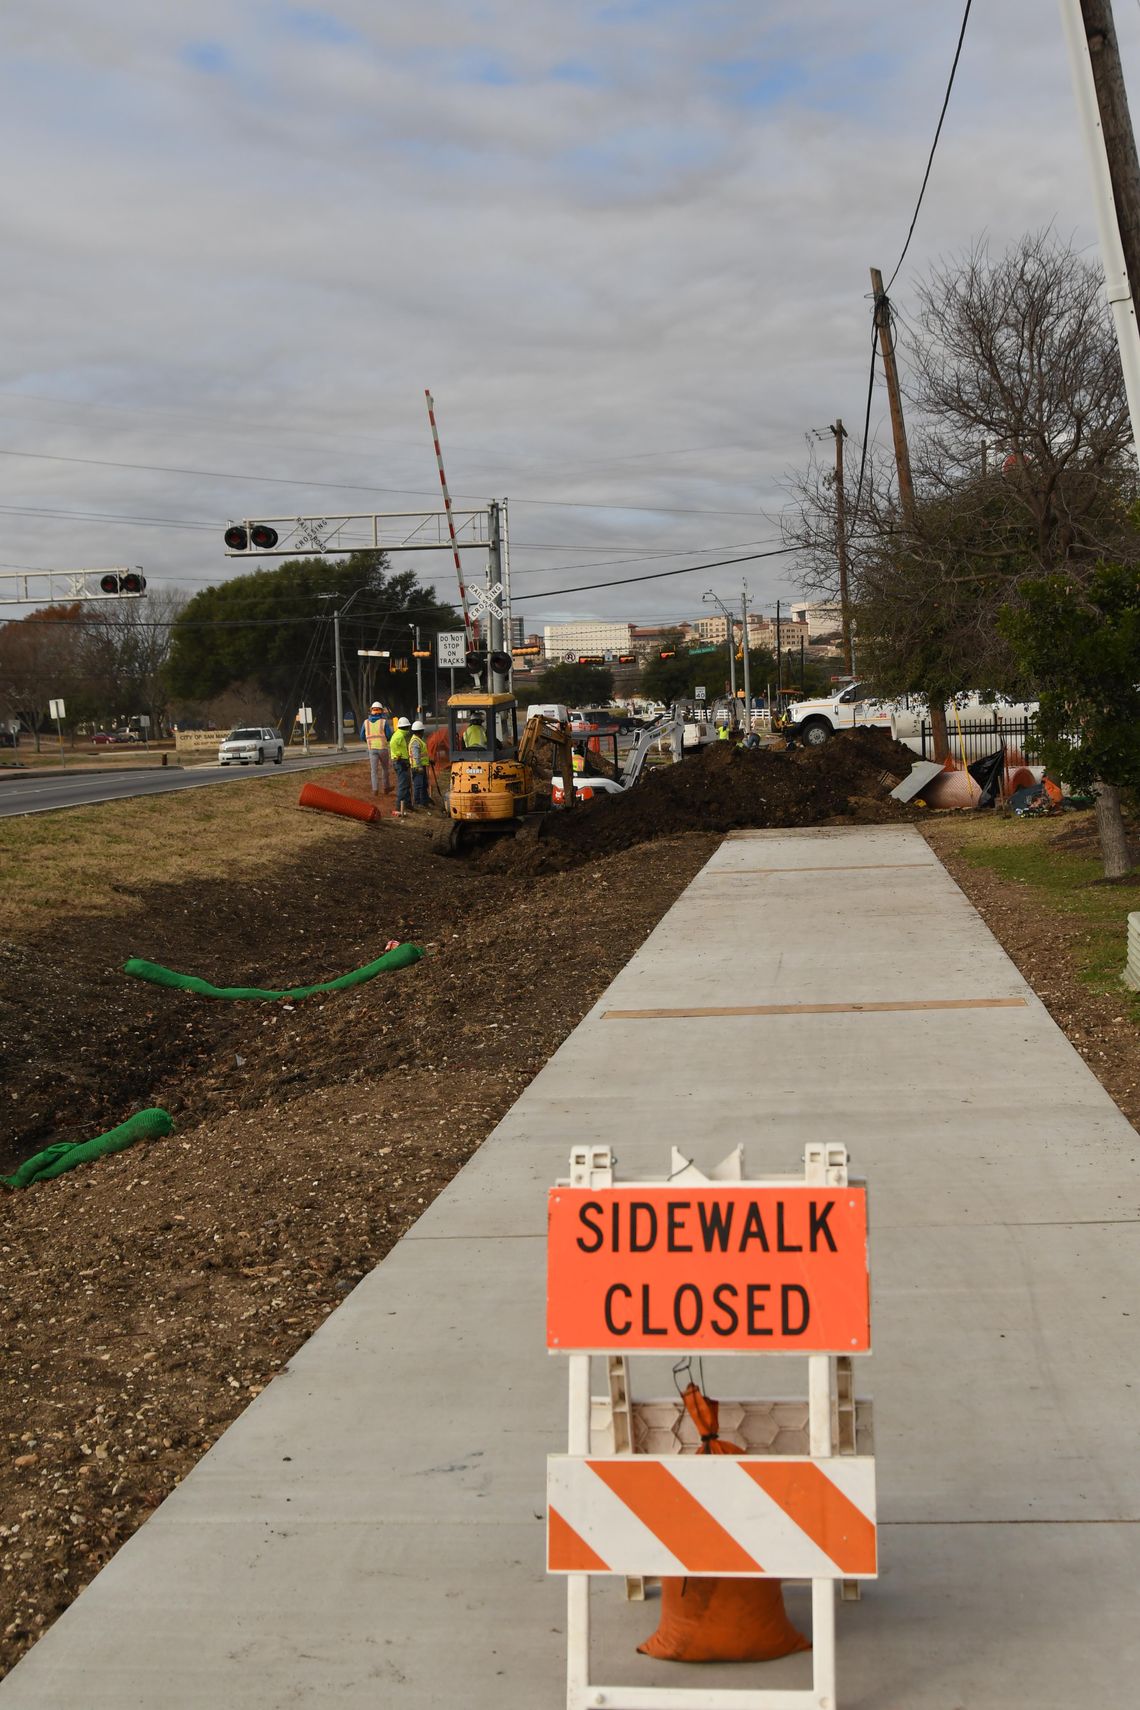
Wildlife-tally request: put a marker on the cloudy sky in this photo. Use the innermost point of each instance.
(626, 244)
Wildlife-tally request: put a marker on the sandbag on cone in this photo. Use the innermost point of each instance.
(721, 1620)
(331, 801)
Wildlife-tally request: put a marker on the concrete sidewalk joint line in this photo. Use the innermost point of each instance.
(851, 867)
(811, 1008)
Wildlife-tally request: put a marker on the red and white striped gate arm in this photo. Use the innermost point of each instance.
(725, 1515)
(468, 625)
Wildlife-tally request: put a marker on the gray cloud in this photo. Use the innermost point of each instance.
(626, 245)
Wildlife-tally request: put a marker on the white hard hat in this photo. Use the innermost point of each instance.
(404, 724)
(417, 724)
(376, 707)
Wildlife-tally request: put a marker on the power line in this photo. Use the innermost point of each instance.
(357, 487)
(934, 144)
(866, 432)
(657, 575)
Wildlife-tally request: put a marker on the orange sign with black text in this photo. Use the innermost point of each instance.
(712, 1268)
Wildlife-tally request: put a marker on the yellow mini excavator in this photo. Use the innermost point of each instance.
(492, 768)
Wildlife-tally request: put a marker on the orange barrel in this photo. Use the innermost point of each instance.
(331, 801)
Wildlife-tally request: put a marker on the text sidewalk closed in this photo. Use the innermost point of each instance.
(716, 1268)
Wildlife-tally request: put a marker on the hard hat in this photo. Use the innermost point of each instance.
(376, 707)
(404, 724)
(417, 724)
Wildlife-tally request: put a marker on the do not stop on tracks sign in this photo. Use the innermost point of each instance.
(709, 1268)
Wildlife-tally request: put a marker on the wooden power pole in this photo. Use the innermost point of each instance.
(894, 396)
(940, 736)
(840, 433)
(1116, 124)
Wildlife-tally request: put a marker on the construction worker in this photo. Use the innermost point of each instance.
(722, 733)
(398, 747)
(418, 760)
(474, 736)
(377, 732)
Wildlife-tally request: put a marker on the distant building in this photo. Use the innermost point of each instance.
(516, 637)
(792, 634)
(716, 628)
(569, 641)
(822, 619)
(647, 640)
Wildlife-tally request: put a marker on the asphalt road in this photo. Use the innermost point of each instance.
(40, 794)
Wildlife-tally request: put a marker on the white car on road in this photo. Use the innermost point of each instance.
(251, 746)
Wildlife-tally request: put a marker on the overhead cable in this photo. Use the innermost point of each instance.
(657, 575)
(934, 144)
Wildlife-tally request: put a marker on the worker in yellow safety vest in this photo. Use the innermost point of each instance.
(474, 736)
(398, 747)
(376, 731)
(722, 733)
(418, 759)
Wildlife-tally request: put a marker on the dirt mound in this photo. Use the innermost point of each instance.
(722, 789)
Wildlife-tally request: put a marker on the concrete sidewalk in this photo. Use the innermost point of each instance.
(370, 1531)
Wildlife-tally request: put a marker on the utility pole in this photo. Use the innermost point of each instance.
(940, 736)
(498, 679)
(1110, 144)
(747, 678)
(840, 433)
(419, 676)
(779, 658)
(338, 725)
(730, 632)
(894, 396)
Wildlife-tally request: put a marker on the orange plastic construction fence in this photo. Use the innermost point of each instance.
(439, 747)
(331, 801)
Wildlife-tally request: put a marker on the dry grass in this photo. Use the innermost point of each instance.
(101, 859)
(1056, 862)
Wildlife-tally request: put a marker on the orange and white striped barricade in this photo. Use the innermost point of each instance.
(696, 1266)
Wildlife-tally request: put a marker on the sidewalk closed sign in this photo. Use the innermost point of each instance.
(708, 1268)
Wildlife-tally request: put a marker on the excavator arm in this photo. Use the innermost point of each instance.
(558, 736)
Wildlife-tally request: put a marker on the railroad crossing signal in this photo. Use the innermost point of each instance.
(488, 600)
(65, 587)
(260, 535)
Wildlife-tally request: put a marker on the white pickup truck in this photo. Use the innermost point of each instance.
(814, 722)
(251, 746)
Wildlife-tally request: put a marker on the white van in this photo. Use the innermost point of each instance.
(553, 710)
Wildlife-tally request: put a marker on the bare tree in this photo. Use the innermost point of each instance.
(37, 663)
(1022, 462)
(1015, 373)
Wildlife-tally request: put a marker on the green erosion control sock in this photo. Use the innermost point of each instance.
(54, 1160)
(402, 957)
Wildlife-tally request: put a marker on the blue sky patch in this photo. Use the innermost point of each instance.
(578, 72)
(210, 57)
(316, 26)
(759, 82)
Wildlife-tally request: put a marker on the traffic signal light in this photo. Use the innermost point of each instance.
(132, 582)
(501, 662)
(263, 537)
(236, 539)
(476, 661)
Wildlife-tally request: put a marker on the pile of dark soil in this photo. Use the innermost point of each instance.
(146, 1298)
(721, 789)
